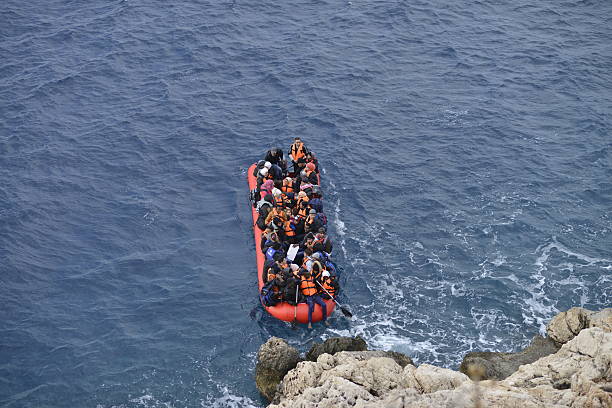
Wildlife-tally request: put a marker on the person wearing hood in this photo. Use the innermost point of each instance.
(274, 156)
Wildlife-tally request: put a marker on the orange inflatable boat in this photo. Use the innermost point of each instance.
(283, 310)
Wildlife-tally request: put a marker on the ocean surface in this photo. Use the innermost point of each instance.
(466, 150)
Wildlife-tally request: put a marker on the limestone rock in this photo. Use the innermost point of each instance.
(498, 366)
(576, 375)
(564, 326)
(274, 359)
(336, 344)
(428, 378)
(602, 319)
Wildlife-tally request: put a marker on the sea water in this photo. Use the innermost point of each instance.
(467, 163)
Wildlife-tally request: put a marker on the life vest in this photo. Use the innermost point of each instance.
(308, 224)
(321, 269)
(329, 288)
(297, 150)
(289, 232)
(287, 187)
(308, 286)
(279, 202)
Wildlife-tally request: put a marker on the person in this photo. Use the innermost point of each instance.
(259, 166)
(271, 292)
(312, 222)
(330, 285)
(272, 251)
(278, 198)
(311, 158)
(297, 152)
(287, 186)
(311, 293)
(275, 172)
(311, 175)
(322, 238)
(278, 216)
(274, 156)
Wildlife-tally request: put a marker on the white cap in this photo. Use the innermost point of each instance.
(267, 165)
(263, 172)
(325, 273)
(276, 192)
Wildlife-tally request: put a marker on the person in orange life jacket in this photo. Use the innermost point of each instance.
(310, 291)
(278, 198)
(287, 186)
(297, 151)
(276, 212)
(289, 231)
(330, 284)
(302, 204)
(316, 268)
(312, 222)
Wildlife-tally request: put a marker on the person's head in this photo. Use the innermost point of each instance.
(322, 230)
(308, 251)
(267, 165)
(310, 166)
(276, 246)
(276, 192)
(312, 212)
(287, 181)
(297, 139)
(263, 172)
(317, 247)
(325, 274)
(309, 238)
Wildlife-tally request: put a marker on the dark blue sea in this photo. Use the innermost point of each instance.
(466, 154)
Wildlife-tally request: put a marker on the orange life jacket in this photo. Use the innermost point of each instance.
(329, 288)
(321, 269)
(297, 150)
(308, 286)
(289, 232)
(278, 201)
(287, 187)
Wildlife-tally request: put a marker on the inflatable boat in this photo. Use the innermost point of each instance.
(283, 310)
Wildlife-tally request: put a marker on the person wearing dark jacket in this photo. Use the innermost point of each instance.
(274, 156)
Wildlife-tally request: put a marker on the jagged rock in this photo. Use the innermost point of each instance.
(564, 326)
(498, 366)
(275, 358)
(334, 345)
(602, 319)
(578, 375)
(585, 363)
(427, 378)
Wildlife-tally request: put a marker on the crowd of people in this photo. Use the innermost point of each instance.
(294, 238)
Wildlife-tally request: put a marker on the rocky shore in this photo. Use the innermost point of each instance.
(571, 367)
